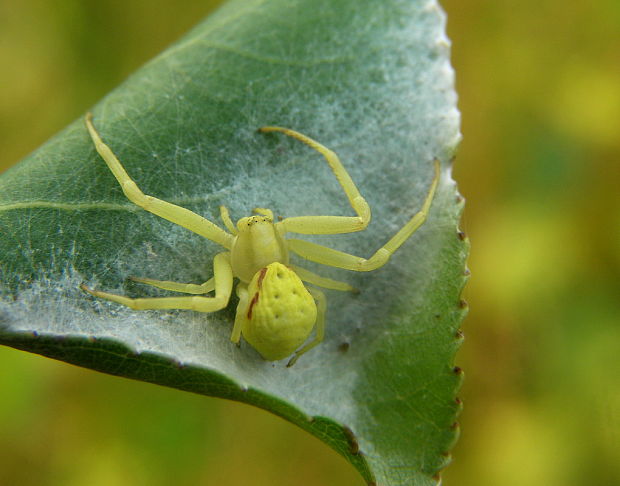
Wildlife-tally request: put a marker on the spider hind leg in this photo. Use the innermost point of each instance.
(223, 287)
(186, 288)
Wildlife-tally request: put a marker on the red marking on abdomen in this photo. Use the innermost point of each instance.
(261, 277)
(252, 302)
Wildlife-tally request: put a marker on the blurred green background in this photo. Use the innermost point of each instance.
(539, 88)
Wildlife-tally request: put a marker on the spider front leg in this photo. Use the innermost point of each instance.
(223, 277)
(327, 225)
(328, 256)
(176, 214)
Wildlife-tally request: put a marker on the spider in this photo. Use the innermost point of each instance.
(276, 312)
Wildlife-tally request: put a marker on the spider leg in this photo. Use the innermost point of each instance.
(241, 316)
(223, 277)
(321, 305)
(328, 256)
(176, 214)
(225, 215)
(264, 212)
(326, 283)
(204, 288)
(327, 225)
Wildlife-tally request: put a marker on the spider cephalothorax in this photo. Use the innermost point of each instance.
(276, 312)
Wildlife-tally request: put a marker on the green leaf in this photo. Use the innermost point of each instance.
(372, 81)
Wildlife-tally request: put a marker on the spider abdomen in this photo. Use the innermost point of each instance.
(281, 312)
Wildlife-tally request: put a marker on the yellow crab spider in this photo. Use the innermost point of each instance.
(276, 312)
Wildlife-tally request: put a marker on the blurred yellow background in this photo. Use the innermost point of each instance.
(539, 88)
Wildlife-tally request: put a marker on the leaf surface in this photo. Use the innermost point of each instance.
(370, 80)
